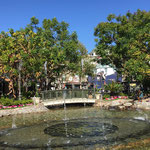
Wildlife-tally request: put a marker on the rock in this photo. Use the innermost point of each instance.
(127, 104)
(114, 104)
(121, 107)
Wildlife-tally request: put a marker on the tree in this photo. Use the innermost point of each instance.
(45, 52)
(124, 42)
(59, 48)
(85, 66)
(114, 88)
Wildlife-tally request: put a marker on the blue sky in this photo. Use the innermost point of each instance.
(82, 15)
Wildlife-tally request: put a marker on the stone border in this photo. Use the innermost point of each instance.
(23, 110)
(123, 104)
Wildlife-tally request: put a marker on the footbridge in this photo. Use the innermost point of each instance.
(63, 97)
(68, 101)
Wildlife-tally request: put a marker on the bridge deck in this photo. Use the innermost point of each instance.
(67, 101)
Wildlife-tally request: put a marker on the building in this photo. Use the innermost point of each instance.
(74, 82)
(104, 74)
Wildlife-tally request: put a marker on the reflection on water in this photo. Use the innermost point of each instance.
(81, 128)
(73, 128)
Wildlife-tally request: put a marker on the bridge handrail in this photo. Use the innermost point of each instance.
(67, 94)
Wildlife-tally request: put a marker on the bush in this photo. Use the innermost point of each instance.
(114, 88)
(6, 101)
(10, 102)
(106, 96)
(122, 94)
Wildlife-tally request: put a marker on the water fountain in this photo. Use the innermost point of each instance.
(13, 121)
(69, 128)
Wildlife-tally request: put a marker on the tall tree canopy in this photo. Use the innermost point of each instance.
(45, 52)
(124, 42)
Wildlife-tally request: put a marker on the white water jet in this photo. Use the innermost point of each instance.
(14, 122)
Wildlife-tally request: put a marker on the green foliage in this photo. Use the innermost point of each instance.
(18, 102)
(10, 102)
(84, 67)
(89, 68)
(82, 49)
(37, 94)
(34, 21)
(6, 101)
(45, 52)
(106, 96)
(113, 88)
(122, 94)
(124, 42)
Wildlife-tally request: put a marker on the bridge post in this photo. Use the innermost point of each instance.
(56, 95)
(70, 94)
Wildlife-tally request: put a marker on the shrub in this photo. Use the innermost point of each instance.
(106, 96)
(10, 102)
(122, 94)
(114, 88)
(6, 101)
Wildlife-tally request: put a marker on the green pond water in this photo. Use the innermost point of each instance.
(73, 128)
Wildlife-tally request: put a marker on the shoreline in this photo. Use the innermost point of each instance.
(124, 104)
(23, 110)
(120, 104)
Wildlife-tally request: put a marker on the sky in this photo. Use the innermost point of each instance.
(81, 15)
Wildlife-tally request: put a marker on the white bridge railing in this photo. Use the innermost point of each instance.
(69, 101)
(53, 95)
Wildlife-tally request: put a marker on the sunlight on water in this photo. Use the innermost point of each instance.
(73, 128)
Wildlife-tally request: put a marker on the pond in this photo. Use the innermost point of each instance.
(73, 128)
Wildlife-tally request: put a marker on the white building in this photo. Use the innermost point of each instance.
(107, 70)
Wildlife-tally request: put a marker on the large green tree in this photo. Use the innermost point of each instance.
(45, 52)
(124, 42)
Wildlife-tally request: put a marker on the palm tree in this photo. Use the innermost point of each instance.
(114, 88)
